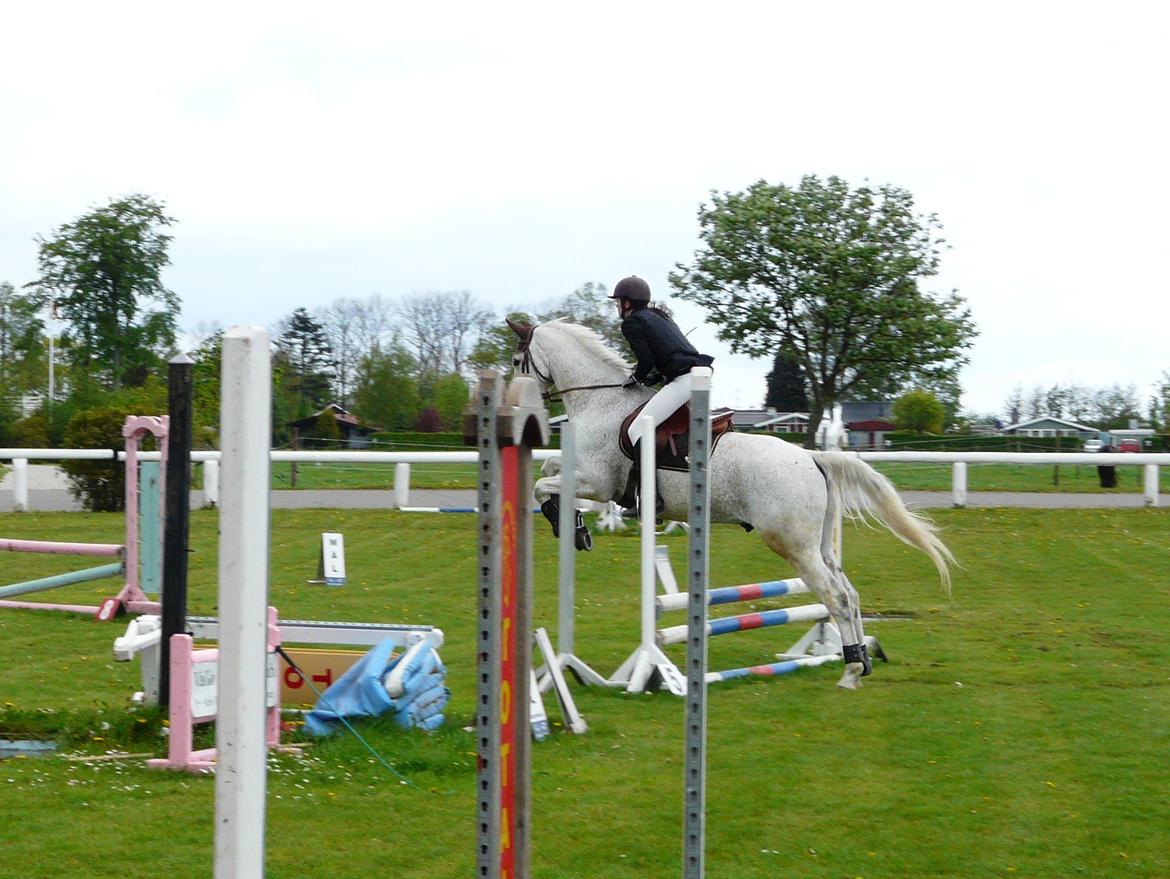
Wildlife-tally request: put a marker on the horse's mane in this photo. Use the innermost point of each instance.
(591, 341)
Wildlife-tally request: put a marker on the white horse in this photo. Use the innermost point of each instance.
(788, 494)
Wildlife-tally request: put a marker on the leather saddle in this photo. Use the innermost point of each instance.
(672, 439)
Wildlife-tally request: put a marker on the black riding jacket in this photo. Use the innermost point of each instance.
(660, 346)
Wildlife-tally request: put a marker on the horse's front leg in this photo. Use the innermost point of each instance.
(548, 494)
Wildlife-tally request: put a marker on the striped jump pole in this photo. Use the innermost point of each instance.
(83, 576)
(57, 547)
(771, 669)
(505, 424)
(734, 594)
(806, 613)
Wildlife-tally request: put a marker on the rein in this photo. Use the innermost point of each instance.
(556, 396)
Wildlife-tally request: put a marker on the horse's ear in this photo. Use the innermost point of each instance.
(521, 329)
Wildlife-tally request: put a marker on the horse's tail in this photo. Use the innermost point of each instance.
(862, 491)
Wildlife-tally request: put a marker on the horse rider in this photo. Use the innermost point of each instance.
(663, 355)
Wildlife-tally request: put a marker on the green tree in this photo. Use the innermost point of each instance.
(104, 272)
(1116, 406)
(205, 390)
(495, 347)
(387, 393)
(832, 274)
(306, 364)
(449, 397)
(326, 433)
(22, 346)
(1160, 403)
(787, 388)
(590, 306)
(919, 411)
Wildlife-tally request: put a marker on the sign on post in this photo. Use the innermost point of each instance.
(331, 564)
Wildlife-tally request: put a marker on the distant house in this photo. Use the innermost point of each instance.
(353, 434)
(749, 419)
(867, 422)
(784, 422)
(1050, 425)
(867, 410)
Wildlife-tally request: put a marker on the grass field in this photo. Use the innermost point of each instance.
(913, 477)
(1021, 729)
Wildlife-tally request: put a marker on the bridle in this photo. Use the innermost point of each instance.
(526, 365)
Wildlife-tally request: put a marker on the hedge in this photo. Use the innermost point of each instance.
(419, 441)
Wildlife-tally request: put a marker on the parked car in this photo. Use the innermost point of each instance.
(1093, 445)
(1129, 445)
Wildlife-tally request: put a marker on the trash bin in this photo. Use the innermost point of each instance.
(1107, 474)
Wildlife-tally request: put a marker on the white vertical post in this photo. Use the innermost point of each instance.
(566, 576)
(959, 484)
(566, 549)
(646, 519)
(401, 485)
(211, 483)
(648, 666)
(20, 485)
(241, 774)
(1150, 484)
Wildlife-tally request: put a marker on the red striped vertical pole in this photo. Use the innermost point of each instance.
(505, 426)
(510, 705)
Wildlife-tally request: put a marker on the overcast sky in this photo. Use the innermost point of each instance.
(315, 151)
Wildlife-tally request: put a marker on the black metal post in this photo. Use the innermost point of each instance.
(177, 516)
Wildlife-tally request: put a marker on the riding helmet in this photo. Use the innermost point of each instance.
(632, 288)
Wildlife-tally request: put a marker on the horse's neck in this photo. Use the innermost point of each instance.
(576, 367)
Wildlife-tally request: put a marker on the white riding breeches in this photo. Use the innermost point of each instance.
(664, 403)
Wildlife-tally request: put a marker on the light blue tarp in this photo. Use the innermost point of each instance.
(361, 691)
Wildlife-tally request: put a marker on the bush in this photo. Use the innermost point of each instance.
(31, 432)
(327, 434)
(905, 441)
(416, 441)
(99, 485)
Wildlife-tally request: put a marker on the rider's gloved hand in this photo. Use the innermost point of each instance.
(630, 382)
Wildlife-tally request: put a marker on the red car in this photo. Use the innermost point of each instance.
(1129, 445)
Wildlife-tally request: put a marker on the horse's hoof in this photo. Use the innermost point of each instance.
(851, 680)
(583, 539)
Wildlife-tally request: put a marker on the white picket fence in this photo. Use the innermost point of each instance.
(1148, 462)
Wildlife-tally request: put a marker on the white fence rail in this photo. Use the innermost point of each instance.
(210, 461)
(1149, 462)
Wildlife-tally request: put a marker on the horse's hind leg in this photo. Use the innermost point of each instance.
(853, 649)
(840, 598)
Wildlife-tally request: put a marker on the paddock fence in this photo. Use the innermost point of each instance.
(1147, 463)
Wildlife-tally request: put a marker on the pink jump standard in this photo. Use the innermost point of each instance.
(140, 556)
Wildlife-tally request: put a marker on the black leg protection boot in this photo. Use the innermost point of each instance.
(582, 539)
(858, 653)
(552, 511)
